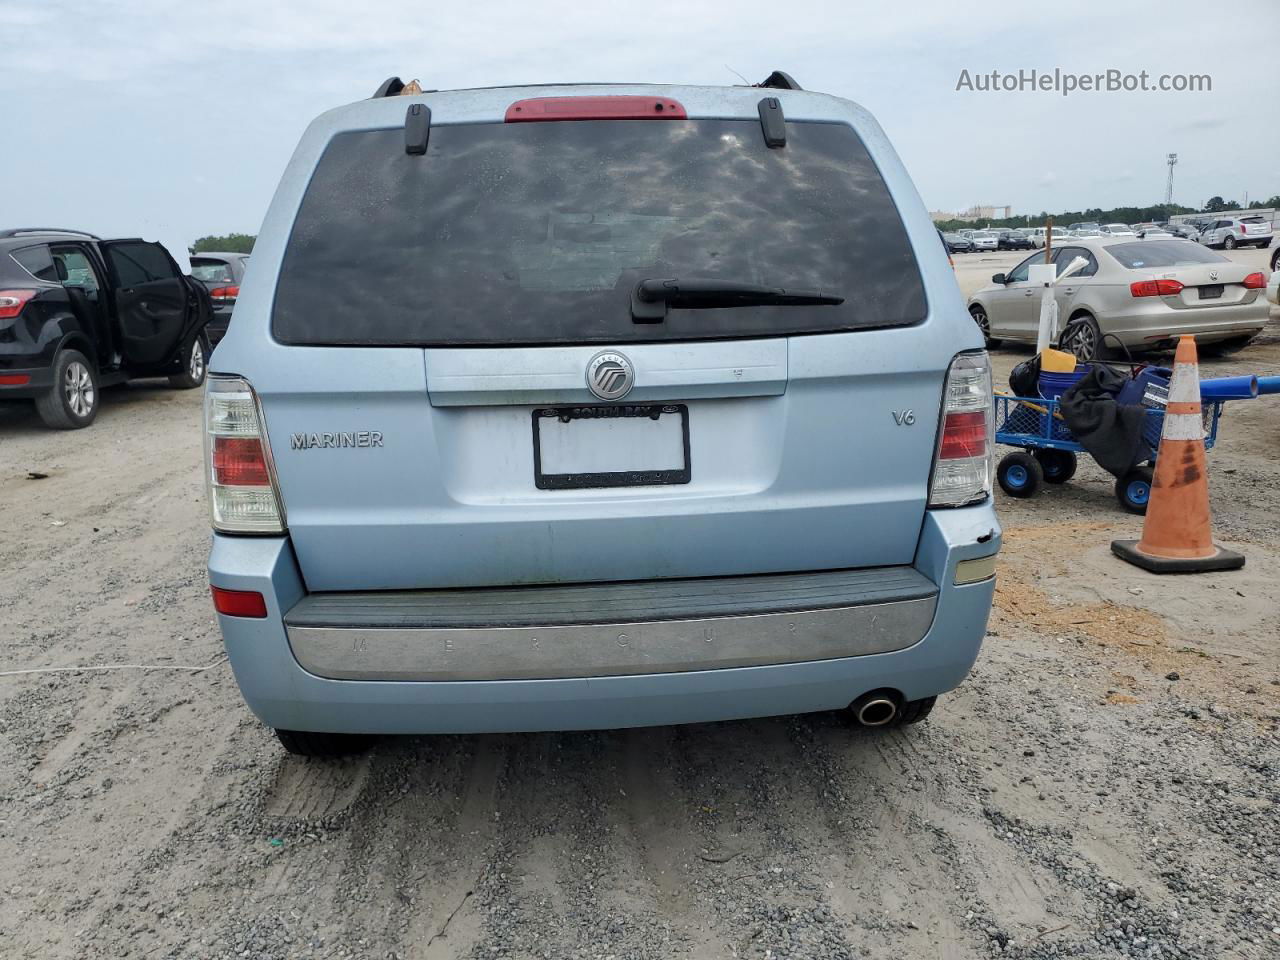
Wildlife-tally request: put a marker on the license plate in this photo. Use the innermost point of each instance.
(629, 445)
(1211, 291)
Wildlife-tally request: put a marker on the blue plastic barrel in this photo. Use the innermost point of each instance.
(1268, 385)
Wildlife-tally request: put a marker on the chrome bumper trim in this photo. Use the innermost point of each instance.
(609, 649)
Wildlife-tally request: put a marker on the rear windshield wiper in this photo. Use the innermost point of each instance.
(650, 298)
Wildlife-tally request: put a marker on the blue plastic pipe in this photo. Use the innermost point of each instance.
(1229, 388)
(1268, 385)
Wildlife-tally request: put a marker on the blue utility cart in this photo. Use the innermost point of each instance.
(1048, 451)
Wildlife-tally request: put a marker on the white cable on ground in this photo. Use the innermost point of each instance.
(114, 666)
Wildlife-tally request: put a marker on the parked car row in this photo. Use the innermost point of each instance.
(969, 241)
(1226, 234)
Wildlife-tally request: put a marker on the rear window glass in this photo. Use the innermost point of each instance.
(37, 262)
(538, 233)
(1162, 253)
(137, 262)
(211, 271)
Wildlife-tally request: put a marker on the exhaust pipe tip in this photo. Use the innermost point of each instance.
(875, 710)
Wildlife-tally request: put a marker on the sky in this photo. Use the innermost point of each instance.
(174, 120)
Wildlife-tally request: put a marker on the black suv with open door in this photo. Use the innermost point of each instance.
(79, 313)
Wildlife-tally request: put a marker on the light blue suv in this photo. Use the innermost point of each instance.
(582, 407)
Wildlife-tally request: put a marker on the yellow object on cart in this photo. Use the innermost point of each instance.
(1057, 361)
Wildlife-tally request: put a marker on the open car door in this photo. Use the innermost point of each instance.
(155, 308)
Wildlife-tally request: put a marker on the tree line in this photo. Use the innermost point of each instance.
(231, 243)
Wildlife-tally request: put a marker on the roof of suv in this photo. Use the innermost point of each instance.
(490, 104)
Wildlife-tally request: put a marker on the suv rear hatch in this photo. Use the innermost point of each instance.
(442, 312)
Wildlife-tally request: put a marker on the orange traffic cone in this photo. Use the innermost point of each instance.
(1176, 536)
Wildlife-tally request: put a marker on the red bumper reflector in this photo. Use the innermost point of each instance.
(239, 462)
(963, 435)
(595, 108)
(239, 603)
(14, 379)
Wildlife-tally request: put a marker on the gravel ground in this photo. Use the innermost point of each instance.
(1104, 785)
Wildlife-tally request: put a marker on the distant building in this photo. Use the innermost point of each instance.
(973, 214)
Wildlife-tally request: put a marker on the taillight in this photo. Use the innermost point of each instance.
(962, 463)
(239, 603)
(12, 302)
(224, 293)
(1155, 288)
(1255, 281)
(243, 496)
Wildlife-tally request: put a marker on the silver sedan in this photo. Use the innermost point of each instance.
(1143, 293)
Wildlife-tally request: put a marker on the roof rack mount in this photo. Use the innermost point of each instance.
(395, 87)
(779, 81)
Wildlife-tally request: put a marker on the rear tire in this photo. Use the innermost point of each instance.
(913, 711)
(72, 401)
(1083, 338)
(195, 365)
(1020, 475)
(1059, 466)
(304, 743)
(1133, 489)
(1229, 243)
(984, 325)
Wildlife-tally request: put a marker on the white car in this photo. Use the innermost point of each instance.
(982, 240)
(1157, 233)
(1038, 235)
(1118, 230)
(1237, 232)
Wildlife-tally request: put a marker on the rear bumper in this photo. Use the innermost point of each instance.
(751, 671)
(1155, 323)
(26, 383)
(610, 629)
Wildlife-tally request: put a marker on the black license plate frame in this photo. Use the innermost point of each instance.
(618, 478)
(1211, 291)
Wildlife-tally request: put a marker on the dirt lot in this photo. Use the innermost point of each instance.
(1106, 783)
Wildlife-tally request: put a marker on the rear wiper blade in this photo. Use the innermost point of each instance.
(650, 298)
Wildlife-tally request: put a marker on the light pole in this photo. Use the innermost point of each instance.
(1168, 190)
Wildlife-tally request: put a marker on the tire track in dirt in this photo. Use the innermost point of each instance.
(770, 898)
(444, 919)
(538, 892)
